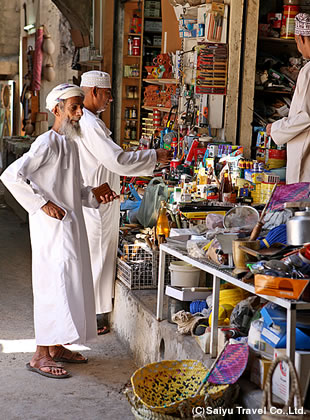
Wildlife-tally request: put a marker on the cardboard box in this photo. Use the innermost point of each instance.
(152, 26)
(280, 379)
(259, 370)
(149, 4)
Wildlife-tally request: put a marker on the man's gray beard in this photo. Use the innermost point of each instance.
(70, 131)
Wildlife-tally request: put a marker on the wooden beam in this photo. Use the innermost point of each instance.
(232, 97)
(248, 76)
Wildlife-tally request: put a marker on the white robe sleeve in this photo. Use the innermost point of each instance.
(287, 128)
(114, 158)
(88, 198)
(16, 177)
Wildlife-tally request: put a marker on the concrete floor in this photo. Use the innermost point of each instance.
(95, 390)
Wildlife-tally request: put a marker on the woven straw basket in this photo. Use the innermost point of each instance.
(162, 387)
(285, 411)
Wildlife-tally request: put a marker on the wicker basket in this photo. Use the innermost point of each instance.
(285, 411)
(164, 386)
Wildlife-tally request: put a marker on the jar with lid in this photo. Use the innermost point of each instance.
(290, 10)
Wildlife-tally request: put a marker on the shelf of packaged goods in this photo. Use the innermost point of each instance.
(161, 81)
(275, 92)
(152, 17)
(281, 40)
(160, 108)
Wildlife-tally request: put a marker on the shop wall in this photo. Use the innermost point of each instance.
(59, 29)
(9, 37)
(170, 26)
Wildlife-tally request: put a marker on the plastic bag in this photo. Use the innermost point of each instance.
(156, 191)
(195, 248)
(214, 221)
(243, 312)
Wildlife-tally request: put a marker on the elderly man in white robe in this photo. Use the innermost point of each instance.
(47, 182)
(102, 160)
(294, 130)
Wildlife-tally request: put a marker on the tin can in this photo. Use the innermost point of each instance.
(136, 50)
(288, 21)
(136, 42)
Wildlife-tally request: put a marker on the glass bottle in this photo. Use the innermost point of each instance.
(127, 130)
(226, 188)
(133, 134)
(162, 225)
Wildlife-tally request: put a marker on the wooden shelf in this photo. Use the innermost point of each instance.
(132, 56)
(131, 77)
(281, 40)
(152, 17)
(161, 81)
(275, 92)
(130, 99)
(152, 46)
(132, 34)
(160, 108)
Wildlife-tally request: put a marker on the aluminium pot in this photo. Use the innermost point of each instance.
(298, 228)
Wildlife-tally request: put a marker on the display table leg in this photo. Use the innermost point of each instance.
(161, 284)
(215, 314)
(291, 333)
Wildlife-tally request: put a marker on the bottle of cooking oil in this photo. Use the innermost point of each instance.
(162, 225)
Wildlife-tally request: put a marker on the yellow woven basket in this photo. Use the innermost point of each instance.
(163, 386)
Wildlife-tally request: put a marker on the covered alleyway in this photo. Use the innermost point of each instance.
(95, 390)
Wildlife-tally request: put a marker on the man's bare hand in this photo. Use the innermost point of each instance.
(164, 156)
(268, 129)
(52, 210)
(107, 198)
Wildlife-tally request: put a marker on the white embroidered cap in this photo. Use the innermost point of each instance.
(96, 78)
(62, 92)
(302, 24)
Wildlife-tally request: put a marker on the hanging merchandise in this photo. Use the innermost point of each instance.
(215, 24)
(212, 63)
(48, 46)
(38, 59)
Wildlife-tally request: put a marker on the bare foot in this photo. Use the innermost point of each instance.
(48, 365)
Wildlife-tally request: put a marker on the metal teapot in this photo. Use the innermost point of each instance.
(298, 227)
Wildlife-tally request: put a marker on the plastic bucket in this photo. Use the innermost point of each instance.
(184, 274)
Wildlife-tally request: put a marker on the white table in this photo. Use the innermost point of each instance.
(224, 274)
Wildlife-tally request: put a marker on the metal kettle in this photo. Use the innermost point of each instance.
(298, 227)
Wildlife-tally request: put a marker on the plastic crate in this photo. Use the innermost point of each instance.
(138, 269)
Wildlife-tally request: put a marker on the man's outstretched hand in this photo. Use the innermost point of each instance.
(52, 210)
(164, 156)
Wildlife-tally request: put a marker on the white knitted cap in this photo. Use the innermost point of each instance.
(302, 24)
(96, 78)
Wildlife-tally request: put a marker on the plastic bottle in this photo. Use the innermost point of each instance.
(162, 225)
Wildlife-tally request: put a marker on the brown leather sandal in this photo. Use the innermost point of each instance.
(67, 356)
(50, 365)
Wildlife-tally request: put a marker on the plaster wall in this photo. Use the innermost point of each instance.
(150, 340)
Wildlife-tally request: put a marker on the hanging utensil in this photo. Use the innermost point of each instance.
(258, 227)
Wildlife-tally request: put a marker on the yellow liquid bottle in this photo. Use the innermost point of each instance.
(162, 225)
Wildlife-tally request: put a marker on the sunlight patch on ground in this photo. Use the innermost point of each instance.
(29, 346)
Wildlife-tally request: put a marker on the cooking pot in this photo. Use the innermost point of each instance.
(298, 228)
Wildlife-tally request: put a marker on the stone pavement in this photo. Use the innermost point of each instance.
(95, 390)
